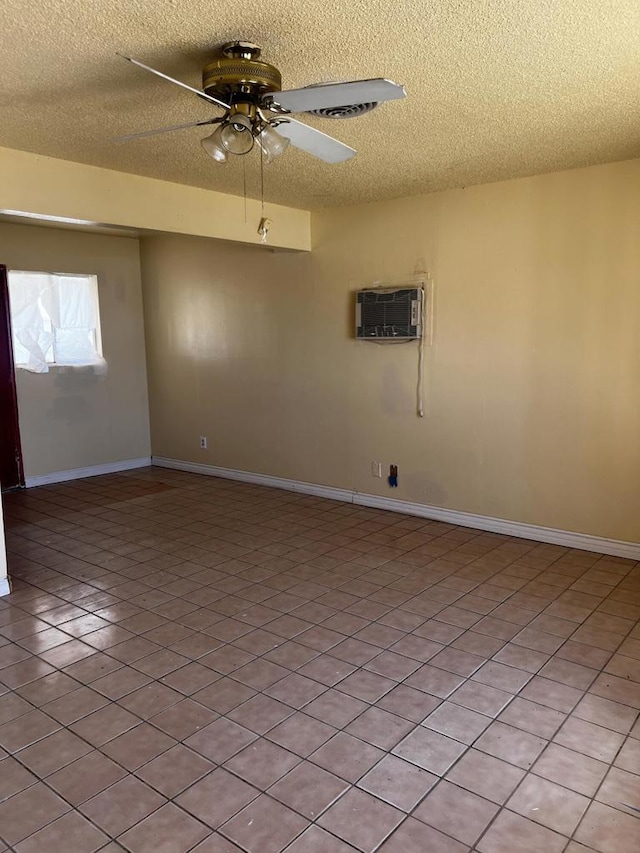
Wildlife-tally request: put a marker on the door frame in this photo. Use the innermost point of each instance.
(6, 357)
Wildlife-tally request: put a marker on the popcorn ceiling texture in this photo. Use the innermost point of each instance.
(496, 88)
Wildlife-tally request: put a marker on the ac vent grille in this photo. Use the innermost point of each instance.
(389, 314)
(351, 111)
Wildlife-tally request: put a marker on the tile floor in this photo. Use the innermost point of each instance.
(191, 664)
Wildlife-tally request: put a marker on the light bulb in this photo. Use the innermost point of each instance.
(214, 147)
(236, 136)
(272, 144)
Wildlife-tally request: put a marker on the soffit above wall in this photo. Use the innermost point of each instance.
(495, 90)
(45, 189)
(55, 222)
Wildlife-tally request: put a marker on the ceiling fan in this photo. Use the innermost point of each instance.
(256, 110)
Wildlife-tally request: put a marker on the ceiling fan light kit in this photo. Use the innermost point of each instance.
(256, 109)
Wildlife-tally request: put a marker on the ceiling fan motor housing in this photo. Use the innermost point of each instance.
(239, 71)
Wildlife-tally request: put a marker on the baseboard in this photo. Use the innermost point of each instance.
(257, 479)
(91, 471)
(565, 538)
(5, 589)
(520, 530)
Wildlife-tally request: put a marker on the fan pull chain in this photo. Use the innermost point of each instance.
(262, 181)
(244, 187)
(263, 227)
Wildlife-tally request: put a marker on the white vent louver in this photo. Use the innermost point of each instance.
(351, 111)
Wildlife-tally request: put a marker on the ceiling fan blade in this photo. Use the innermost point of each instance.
(327, 95)
(145, 133)
(186, 86)
(314, 141)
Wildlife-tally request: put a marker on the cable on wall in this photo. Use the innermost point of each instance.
(421, 374)
(425, 338)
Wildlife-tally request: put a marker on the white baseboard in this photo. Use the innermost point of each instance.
(91, 471)
(258, 479)
(5, 589)
(565, 538)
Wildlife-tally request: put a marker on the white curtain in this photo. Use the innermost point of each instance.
(55, 320)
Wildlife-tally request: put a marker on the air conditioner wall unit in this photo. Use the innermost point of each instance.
(385, 314)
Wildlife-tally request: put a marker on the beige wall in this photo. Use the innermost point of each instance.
(533, 411)
(72, 418)
(225, 330)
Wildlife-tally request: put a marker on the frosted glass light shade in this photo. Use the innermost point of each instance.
(214, 147)
(236, 137)
(272, 144)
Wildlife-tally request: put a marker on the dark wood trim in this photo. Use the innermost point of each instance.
(11, 467)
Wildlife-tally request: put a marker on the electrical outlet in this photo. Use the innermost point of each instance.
(203, 442)
(376, 469)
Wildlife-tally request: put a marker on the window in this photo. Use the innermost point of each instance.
(55, 320)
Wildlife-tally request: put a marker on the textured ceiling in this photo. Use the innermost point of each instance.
(496, 88)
